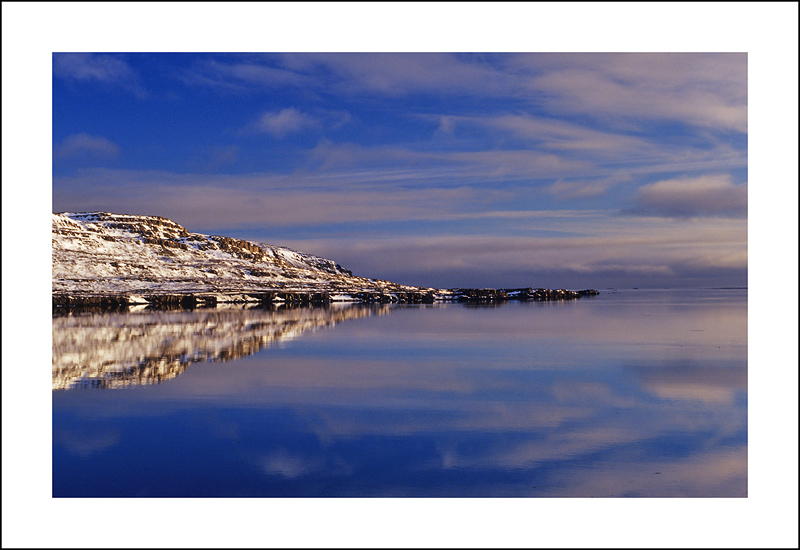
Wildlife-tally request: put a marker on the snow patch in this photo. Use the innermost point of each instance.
(342, 298)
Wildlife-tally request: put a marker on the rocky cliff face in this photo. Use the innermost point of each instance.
(110, 254)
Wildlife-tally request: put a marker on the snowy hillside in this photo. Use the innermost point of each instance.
(103, 253)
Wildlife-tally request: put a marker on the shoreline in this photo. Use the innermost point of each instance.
(192, 300)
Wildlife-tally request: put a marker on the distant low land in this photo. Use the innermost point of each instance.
(114, 260)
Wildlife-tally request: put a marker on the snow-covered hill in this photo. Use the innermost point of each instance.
(100, 253)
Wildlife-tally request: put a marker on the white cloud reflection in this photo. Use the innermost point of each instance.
(290, 466)
(83, 443)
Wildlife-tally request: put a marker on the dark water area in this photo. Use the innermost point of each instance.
(633, 393)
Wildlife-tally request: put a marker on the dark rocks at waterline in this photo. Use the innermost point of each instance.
(521, 294)
(545, 294)
(198, 300)
(120, 302)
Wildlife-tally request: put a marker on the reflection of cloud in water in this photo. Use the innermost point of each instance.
(707, 383)
(538, 450)
(693, 392)
(293, 465)
(592, 462)
(594, 392)
(84, 444)
(146, 347)
(391, 419)
(290, 466)
(722, 472)
(579, 425)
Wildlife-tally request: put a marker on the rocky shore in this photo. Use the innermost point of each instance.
(191, 300)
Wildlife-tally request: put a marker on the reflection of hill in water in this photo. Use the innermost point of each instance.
(148, 347)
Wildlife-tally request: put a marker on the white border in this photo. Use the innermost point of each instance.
(767, 31)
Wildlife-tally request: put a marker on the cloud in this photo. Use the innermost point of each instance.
(597, 252)
(104, 68)
(558, 134)
(446, 124)
(400, 74)
(711, 195)
(606, 157)
(395, 163)
(252, 199)
(353, 73)
(223, 154)
(580, 189)
(707, 90)
(80, 145)
(243, 74)
(287, 121)
(625, 89)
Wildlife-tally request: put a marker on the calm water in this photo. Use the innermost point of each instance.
(636, 393)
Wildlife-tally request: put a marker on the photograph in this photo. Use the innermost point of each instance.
(399, 275)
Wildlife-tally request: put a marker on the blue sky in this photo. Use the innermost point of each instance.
(431, 169)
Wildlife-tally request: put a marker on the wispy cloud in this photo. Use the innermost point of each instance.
(705, 90)
(556, 134)
(708, 90)
(709, 195)
(78, 145)
(355, 162)
(596, 249)
(566, 189)
(244, 73)
(281, 123)
(610, 153)
(91, 67)
(396, 75)
(253, 199)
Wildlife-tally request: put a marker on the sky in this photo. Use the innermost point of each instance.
(559, 170)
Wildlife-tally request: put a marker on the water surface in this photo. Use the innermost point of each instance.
(637, 393)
